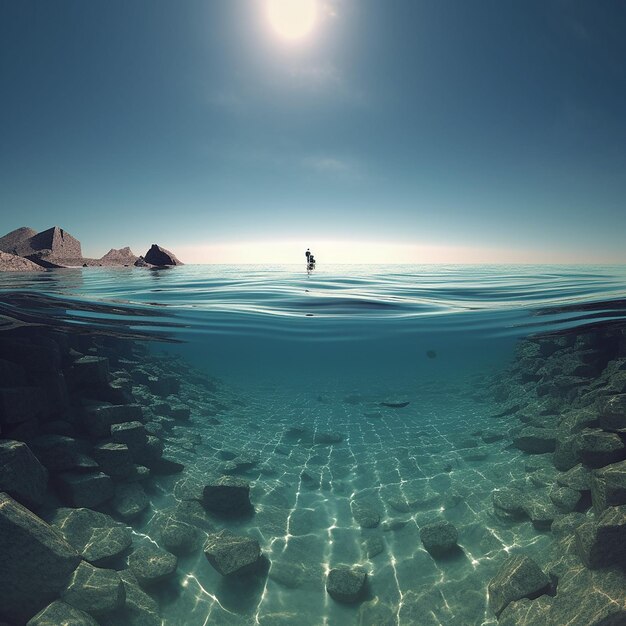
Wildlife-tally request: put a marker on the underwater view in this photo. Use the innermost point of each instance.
(368, 445)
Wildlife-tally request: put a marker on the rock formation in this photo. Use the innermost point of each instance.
(13, 263)
(54, 247)
(346, 584)
(123, 256)
(24, 249)
(11, 241)
(160, 257)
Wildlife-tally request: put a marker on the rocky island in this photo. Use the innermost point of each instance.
(26, 250)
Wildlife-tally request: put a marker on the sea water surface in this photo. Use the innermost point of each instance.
(322, 351)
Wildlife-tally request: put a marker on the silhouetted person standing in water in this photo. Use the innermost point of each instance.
(310, 260)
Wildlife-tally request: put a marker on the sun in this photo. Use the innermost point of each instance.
(292, 19)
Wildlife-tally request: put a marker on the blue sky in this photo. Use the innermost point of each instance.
(420, 130)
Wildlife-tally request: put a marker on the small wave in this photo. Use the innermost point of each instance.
(282, 300)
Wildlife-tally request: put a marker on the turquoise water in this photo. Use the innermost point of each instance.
(323, 351)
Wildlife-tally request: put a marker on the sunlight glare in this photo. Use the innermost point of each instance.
(292, 19)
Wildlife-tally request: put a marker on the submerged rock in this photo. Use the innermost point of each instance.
(114, 459)
(151, 564)
(395, 403)
(508, 503)
(327, 438)
(589, 598)
(602, 543)
(526, 612)
(439, 538)
(540, 510)
(232, 554)
(613, 414)
(130, 501)
(60, 613)
(565, 499)
(535, 440)
(60, 453)
(88, 372)
(365, 513)
(577, 477)
(94, 590)
(97, 536)
(228, 496)
(139, 608)
(99, 420)
(346, 584)
(608, 486)
(599, 448)
(36, 561)
(85, 490)
(518, 577)
(565, 525)
(22, 476)
(178, 537)
(133, 434)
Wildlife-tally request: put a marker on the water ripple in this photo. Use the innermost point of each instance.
(266, 300)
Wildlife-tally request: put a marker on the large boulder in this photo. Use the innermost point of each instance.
(608, 486)
(613, 414)
(54, 247)
(160, 257)
(93, 590)
(14, 263)
(577, 477)
(346, 584)
(518, 577)
(565, 499)
(123, 256)
(228, 496)
(114, 459)
(540, 510)
(232, 554)
(60, 613)
(88, 372)
(177, 536)
(587, 598)
(22, 476)
(439, 538)
(84, 490)
(566, 452)
(36, 562)
(508, 503)
(526, 612)
(60, 453)
(99, 420)
(140, 609)
(151, 564)
(97, 536)
(365, 513)
(602, 543)
(130, 501)
(535, 440)
(599, 448)
(11, 241)
(133, 434)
